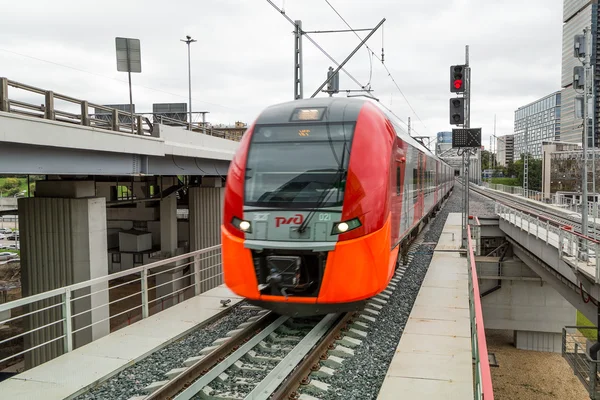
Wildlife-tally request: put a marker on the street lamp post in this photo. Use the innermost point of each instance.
(188, 40)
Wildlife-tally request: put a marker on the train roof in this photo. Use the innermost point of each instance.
(339, 109)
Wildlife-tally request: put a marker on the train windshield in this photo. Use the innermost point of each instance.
(293, 166)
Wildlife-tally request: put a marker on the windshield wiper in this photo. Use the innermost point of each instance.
(326, 193)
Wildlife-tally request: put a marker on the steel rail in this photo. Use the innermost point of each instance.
(201, 368)
(300, 374)
(562, 219)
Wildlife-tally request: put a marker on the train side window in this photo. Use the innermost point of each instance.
(415, 185)
(398, 181)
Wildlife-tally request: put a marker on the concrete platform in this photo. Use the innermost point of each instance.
(433, 358)
(71, 374)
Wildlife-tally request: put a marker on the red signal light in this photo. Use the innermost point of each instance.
(458, 83)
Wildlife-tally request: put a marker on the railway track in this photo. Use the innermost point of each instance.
(525, 205)
(272, 357)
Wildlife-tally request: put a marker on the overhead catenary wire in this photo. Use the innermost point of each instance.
(282, 12)
(382, 63)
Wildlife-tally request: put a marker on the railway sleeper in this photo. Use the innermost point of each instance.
(323, 372)
(241, 366)
(208, 393)
(273, 348)
(277, 338)
(316, 387)
(252, 356)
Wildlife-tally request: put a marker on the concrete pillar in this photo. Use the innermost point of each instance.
(63, 241)
(205, 218)
(525, 304)
(168, 247)
(168, 226)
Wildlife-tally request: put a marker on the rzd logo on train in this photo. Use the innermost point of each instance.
(297, 219)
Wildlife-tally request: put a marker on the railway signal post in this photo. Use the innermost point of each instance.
(467, 140)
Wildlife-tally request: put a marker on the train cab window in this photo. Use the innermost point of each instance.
(298, 165)
(398, 181)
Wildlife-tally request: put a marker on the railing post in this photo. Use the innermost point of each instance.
(560, 243)
(4, 104)
(144, 276)
(547, 230)
(593, 378)
(85, 117)
(49, 109)
(197, 288)
(67, 323)
(140, 128)
(115, 119)
(596, 247)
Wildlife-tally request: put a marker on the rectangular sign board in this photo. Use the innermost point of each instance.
(176, 111)
(129, 56)
(466, 137)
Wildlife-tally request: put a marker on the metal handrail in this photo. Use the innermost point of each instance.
(205, 273)
(567, 242)
(48, 111)
(575, 352)
(555, 199)
(483, 376)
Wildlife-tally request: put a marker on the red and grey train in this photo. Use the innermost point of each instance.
(321, 196)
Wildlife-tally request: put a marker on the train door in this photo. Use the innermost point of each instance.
(436, 184)
(398, 171)
(418, 177)
(423, 183)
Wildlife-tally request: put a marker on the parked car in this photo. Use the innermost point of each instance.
(7, 255)
(14, 246)
(5, 230)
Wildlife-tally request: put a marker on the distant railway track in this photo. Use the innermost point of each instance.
(529, 206)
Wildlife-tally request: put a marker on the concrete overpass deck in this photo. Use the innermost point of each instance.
(47, 140)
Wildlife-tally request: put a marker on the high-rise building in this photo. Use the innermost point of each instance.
(577, 15)
(540, 121)
(506, 149)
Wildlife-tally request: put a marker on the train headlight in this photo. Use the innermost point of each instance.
(345, 226)
(244, 226)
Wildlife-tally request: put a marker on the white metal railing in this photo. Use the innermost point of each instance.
(483, 388)
(77, 111)
(556, 199)
(575, 351)
(51, 323)
(581, 249)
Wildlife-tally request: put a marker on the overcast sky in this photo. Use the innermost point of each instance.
(243, 60)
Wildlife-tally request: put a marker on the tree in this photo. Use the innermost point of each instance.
(10, 183)
(535, 172)
(10, 187)
(485, 160)
(511, 170)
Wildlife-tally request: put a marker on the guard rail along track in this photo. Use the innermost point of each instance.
(531, 206)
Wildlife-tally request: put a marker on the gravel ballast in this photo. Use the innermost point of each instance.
(132, 380)
(361, 376)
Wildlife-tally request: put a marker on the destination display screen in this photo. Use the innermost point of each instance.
(303, 132)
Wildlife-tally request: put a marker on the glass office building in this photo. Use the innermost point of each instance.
(577, 14)
(537, 122)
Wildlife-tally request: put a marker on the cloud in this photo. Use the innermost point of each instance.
(243, 59)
